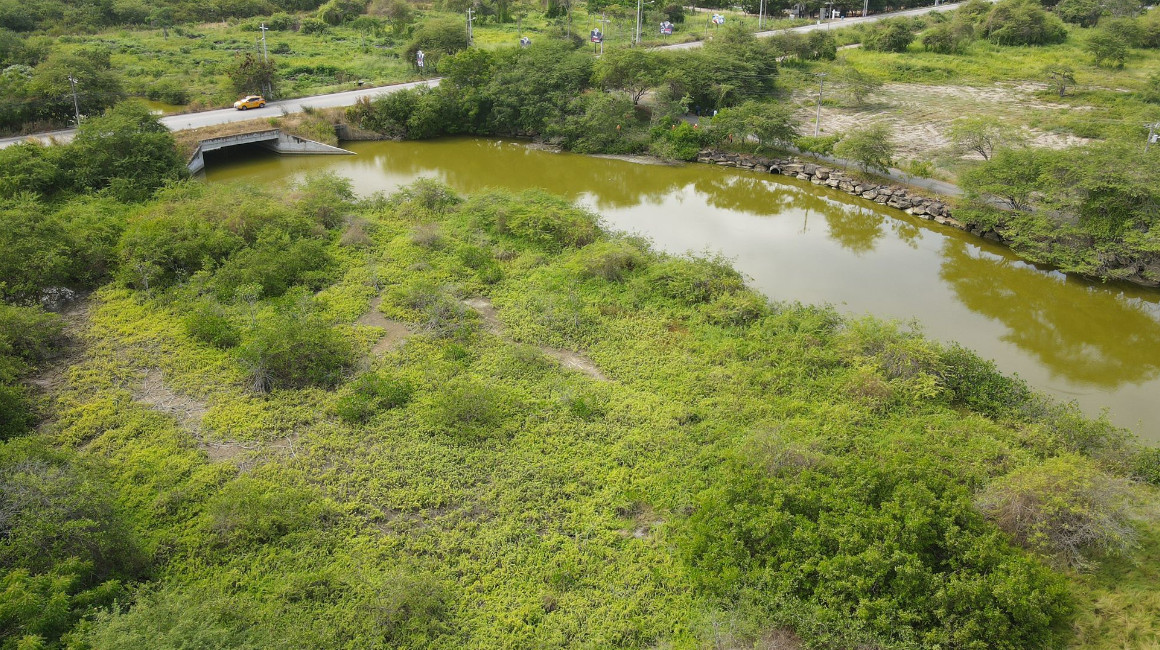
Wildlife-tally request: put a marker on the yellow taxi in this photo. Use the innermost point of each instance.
(251, 101)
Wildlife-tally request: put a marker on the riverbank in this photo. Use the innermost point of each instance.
(1144, 272)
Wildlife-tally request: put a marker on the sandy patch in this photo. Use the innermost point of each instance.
(920, 115)
(153, 392)
(484, 308)
(574, 361)
(394, 332)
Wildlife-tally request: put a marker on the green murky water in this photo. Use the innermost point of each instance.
(1096, 343)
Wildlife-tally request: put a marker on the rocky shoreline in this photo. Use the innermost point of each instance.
(894, 196)
(1140, 272)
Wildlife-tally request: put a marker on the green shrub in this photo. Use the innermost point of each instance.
(28, 333)
(970, 380)
(695, 279)
(844, 539)
(678, 141)
(822, 144)
(467, 409)
(250, 512)
(1146, 465)
(1065, 508)
(586, 405)
(889, 36)
(294, 349)
(871, 147)
(126, 151)
(17, 416)
(948, 38)
(482, 262)
(1151, 92)
(372, 393)
(1085, 13)
(313, 26)
(1022, 22)
(536, 217)
(68, 548)
(275, 262)
(610, 260)
(1107, 48)
(207, 322)
(444, 36)
(325, 197)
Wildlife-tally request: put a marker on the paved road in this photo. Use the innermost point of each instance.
(349, 98)
(185, 121)
(832, 24)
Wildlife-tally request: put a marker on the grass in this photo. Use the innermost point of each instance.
(509, 501)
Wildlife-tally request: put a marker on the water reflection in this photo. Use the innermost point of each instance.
(1088, 335)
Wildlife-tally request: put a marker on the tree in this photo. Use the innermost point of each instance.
(1085, 13)
(855, 85)
(126, 150)
(1023, 22)
(253, 75)
(1012, 175)
(889, 36)
(398, 13)
(1107, 49)
(981, 135)
(632, 71)
(871, 147)
(445, 36)
(1059, 78)
(97, 86)
(770, 124)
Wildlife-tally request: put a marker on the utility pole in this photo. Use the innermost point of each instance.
(76, 105)
(604, 31)
(760, 15)
(265, 59)
(636, 38)
(818, 121)
(829, 14)
(470, 17)
(865, 8)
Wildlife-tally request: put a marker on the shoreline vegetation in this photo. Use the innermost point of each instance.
(304, 419)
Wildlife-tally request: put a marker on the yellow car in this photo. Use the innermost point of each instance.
(252, 101)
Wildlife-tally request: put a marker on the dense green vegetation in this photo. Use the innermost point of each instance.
(234, 458)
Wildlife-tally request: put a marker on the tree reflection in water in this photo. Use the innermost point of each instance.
(1107, 339)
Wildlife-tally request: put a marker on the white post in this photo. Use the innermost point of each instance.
(76, 105)
(818, 121)
(639, 4)
(265, 59)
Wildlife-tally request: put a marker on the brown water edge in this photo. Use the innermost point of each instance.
(1096, 343)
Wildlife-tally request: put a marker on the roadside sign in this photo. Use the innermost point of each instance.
(667, 28)
(718, 19)
(597, 35)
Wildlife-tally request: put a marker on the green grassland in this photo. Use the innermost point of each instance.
(705, 469)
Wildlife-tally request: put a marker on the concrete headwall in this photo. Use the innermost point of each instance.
(273, 139)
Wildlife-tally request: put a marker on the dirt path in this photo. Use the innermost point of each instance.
(394, 332)
(566, 358)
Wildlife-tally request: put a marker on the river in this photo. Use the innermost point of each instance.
(1098, 344)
